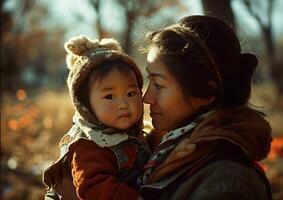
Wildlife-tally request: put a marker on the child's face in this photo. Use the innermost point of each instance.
(116, 99)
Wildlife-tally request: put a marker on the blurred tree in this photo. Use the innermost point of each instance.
(261, 11)
(137, 8)
(6, 26)
(219, 8)
(22, 9)
(96, 6)
(132, 10)
(27, 47)
(29, 54)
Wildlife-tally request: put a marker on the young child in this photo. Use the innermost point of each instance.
(103, 154)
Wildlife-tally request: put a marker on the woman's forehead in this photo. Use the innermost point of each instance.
(157, 69)
(152, 54)
(154, 63)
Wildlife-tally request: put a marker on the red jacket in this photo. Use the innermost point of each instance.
(94, 171)
(88, 171)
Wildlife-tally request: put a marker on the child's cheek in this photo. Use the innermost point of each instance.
(108, 108)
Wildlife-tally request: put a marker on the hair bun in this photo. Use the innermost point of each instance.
(79, 45)
(249, 63)
(249, 59)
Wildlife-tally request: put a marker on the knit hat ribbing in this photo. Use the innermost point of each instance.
(83, 56)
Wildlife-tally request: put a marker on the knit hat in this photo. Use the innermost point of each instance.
(83, 56)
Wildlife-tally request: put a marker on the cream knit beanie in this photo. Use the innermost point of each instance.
(83, 56)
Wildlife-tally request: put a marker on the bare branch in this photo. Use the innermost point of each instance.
(249, 7)
(269, 13)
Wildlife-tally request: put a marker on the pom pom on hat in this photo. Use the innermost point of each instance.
(79, 45)
(110, 43)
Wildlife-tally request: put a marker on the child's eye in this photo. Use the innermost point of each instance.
(158, 86)
(109, 96)
(131, 94)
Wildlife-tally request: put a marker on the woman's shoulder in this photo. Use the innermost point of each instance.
(225, 178)
(222, 169)
(221, 179)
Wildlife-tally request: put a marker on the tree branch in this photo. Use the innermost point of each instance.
(249, 7)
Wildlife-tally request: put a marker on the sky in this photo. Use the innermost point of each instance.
(79, 18)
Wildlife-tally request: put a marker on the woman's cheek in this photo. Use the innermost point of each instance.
(163, 97)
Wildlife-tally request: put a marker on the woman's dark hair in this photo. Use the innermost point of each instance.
(204, 55)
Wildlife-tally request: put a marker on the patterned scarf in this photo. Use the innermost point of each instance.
(98, 126)
(168, 142)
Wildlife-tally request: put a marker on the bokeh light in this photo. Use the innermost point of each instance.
(21, 94)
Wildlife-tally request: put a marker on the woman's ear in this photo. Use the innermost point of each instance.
(204, 101)
(208, 100)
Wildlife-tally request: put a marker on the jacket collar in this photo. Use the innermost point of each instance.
(242, 126)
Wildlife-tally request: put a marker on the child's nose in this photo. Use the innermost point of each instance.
(123, 104)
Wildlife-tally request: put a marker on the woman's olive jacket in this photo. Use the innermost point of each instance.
(229, 143)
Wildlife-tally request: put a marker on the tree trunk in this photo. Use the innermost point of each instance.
(276, 70)
(219, 8)
(268, 44)
(128, 42)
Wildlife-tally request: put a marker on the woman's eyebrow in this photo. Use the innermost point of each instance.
(155, 74)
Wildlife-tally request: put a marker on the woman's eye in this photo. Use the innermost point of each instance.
(109, 96)
(158, 86)
(131, 94)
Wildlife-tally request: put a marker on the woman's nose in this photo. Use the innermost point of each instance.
(148, 97)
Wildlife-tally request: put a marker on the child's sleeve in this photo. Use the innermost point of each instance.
(94, 171)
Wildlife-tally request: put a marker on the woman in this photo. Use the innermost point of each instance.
(198, 93)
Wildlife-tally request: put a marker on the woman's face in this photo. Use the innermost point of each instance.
(168, 107)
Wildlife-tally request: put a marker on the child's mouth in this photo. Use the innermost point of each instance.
(126, 115)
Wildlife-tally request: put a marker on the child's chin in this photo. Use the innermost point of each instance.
(123, 126)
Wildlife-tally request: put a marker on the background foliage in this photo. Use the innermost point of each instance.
(35, 106)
